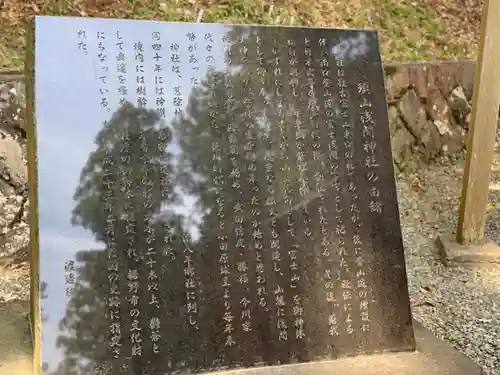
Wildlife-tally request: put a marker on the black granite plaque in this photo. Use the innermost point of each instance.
(213, 196)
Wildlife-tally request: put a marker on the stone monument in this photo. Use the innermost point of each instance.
(216, 197)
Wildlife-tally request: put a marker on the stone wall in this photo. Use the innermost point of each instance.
(14, 231)
(429, 110)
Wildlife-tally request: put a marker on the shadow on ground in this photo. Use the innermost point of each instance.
(15, 340)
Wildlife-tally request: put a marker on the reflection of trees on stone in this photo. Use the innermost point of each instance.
(256, 107)
(263, 122)
(131, 149)
(135, 142)
(252, 108)
(45, 367)
(69, 367)
(253, 111)
(353, 47)
(214, 117)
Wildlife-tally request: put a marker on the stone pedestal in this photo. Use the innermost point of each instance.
(432, 357)
(453, 253)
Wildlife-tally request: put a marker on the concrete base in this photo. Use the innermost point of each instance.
(433, 357)
(453, 253)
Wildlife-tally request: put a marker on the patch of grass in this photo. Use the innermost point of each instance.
(239, 12)
(409, 31)
(451, 336)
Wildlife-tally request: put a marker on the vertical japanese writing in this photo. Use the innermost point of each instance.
(135, 329)
(279, 293)
(102, 55)
(209, 57)
(130, 233)
(175, 59)
(139, 77)
(133, 288)
(293, 61)
(332, 157)
(300, 130)
(329, 114)
(219, 182)
(209, 60)
(193, 62)
(190, 282)
(341, 232)
(249, 149)
(69, 276)
(158, 68)
(166, 181)
(256, 209)
(153, 286)
(225, 272)
(82, 41)
(102, 369)
(238, 212)
(297, 305)
(109, 177)
(375, 205)
(166, 184)
(121, 69)
(368, 128)
(302, 160)
(114, 300)
(149, 233)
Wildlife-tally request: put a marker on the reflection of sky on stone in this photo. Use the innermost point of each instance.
(351, 48)
(69, 116)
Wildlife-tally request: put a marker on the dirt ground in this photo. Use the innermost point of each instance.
(15, 341)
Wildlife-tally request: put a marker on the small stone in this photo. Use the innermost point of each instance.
(401, 142)
(418, 79)
(467, 78)
(459, 106)
(12, 166)
(438, 108)
(413, 113)
(431, 141)
(458, 101)
(395, 121)
(446, 78)
(397, 82)
(442, 127)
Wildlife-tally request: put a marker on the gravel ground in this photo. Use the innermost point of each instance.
(14, 284)
(459, 305)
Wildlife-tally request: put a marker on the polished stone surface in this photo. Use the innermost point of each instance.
(213, 196)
